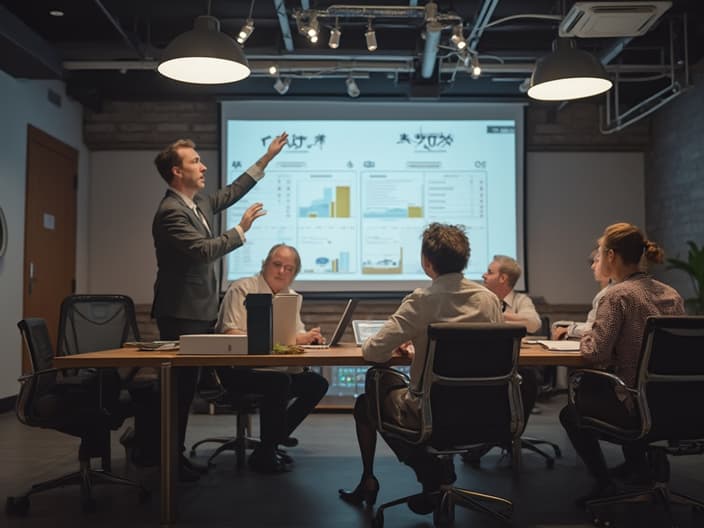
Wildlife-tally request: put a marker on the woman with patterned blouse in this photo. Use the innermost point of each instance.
(614, 343)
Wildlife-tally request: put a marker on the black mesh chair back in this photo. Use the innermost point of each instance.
(667, 398)
(96, 322)
(470, 395)
(671, 379)
(471, 384)
(36, 336)
(43, 378)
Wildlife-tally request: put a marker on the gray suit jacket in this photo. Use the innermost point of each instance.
(186, 285)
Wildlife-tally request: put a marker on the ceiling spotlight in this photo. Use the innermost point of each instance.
(282, 85)
(370, 35)
(567, 73)
(352, 88)
(273, 70)
(457, 38)
(476, 68)
(56, 13)
(204, 55)
(246, 31)
(525, 84)
(335, 35)
(313, 39)
(313, 29)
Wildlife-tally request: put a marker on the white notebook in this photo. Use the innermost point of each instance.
(561, 346)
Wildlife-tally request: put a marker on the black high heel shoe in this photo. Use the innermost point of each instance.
(362, 493)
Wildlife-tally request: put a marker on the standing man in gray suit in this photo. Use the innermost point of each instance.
(187, 247)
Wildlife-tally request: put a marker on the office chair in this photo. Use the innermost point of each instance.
(530, 390)
(88, 323)
(211, 389)
(667, 397)
(86, 405)
(470, 396)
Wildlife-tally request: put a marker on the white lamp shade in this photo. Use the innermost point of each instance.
(567, 74)
(204, 55)
(568, 89)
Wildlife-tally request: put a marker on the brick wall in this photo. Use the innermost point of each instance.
(674, 177)
(575, 127)
(149, 125)
(326, 313)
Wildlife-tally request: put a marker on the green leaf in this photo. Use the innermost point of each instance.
(693, 266)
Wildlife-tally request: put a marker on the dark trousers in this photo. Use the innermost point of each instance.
(529, 390)
(286, 398)
(430, 470)
(603, 403)
(170, 328)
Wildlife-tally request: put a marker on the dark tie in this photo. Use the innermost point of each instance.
(503, 306)
(201, 217)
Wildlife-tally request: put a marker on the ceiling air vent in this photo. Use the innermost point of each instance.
(611, 19)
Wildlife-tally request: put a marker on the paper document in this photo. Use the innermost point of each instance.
(152, 345)
(562, 346)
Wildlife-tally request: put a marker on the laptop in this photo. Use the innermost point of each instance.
(341, 326)
(364, 328)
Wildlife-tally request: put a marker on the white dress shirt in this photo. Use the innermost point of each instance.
(450, 298)
(233, 313)
(521, 305)
(254, 171)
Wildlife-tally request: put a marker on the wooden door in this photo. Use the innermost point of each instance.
(50, 229)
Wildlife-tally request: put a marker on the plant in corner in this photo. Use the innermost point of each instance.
(694, 267)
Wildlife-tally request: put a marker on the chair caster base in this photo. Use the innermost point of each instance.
(603, 523)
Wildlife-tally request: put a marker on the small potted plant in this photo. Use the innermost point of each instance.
(694, 267)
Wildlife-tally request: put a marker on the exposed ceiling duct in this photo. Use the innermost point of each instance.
(430, 49)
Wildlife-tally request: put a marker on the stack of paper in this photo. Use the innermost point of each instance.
(152, 345)
(561, 346)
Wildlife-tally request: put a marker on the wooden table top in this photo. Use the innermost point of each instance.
(343, 355)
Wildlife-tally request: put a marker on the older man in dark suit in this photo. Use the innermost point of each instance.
(187, 247)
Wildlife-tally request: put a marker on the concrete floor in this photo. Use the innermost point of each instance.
(325, 460)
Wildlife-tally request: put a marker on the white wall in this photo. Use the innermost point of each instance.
(570, 198)
(25, 102)
(125, 192)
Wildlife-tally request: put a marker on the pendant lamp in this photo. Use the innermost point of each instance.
(567, 73)
(204, 55)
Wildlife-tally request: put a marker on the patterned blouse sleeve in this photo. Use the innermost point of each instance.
(597, 344)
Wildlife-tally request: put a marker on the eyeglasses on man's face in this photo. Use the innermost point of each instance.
(278, 265)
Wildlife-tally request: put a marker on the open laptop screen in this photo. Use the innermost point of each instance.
(365, 328)
(344, 321)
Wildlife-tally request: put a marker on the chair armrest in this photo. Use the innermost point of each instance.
(209, 385)
(30, 385)
(412, 436)
(585, 391)
(578, 376)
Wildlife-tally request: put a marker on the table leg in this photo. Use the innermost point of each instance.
(168, 443)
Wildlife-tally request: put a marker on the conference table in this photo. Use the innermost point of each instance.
(165, 361)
